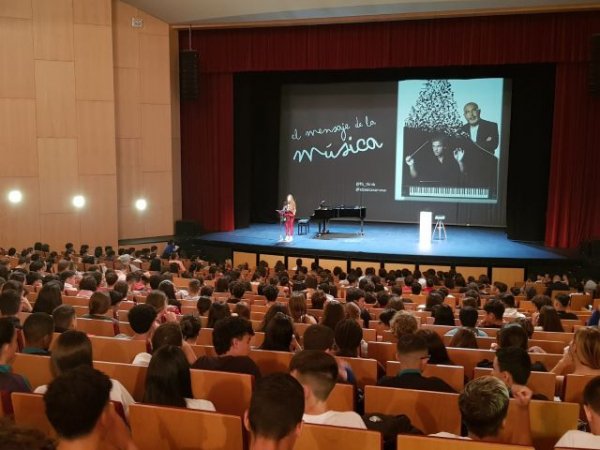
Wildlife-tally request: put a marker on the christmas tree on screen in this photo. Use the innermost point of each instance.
(435, 110)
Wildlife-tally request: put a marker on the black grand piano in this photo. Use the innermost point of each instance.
(325, 213)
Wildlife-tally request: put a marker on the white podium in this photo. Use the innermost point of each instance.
(425, 228)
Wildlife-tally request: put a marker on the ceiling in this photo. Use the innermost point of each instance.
(243, 13)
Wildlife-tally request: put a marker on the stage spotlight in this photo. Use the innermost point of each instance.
(79, 201)
(141, 204)
(15, 196)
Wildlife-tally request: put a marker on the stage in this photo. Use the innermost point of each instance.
(388, 242)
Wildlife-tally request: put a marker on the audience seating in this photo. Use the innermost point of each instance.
(96, 327)
(453, 375)
(539, 382)
(552, 336)
(30, 412)
(133, 378)
(125, 328)
(36, 368)
(365, 370)
(573, 387)
(326, 437)
(116, 350)
(204, 350)
(430, 412)
(341, 398)
(157, 427)
(229, 392)
(270, 361)
(412, 442)
(382, 351)
(75, 301)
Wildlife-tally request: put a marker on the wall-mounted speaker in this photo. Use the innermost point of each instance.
(188, 75)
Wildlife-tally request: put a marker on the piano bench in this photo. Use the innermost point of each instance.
(303, 226)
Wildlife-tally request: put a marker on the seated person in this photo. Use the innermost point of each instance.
(166, 334)
(403, 323)
(358, 297)
(320, 337)
(74, 349)
(190, 328)
(99, 307)
(9, 381)
(317, 371)
(10, 304)
(279, 334)
(142, 319)
(483, 406)
(273, 423)
(512, 365)
(468, 318)
(438, 354)
(494, 313)
(510, 309)
(582, 356)
(65, 318)
(561, 303)
(37, 331)
(349, 338)
(77, 407)
(231, 339)
(591, 406)
(412, 354)
(168, 381)
(270, 292)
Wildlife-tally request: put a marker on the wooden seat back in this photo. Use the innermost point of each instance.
(270, 361)
(365, 370)
(182, 429)
(229, 392)
(418, 406)
(36, 368)
(412, 442)
(205, 337)
(96, 327)
(133, 378)
(539, 382)
(327, 437)
(382, 351)
(552, 336)
(341, 398)
(574, 386)
(453, 375)
(75, 301)
(30, 412)
(116, 350)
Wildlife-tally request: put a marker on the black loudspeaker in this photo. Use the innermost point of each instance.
(595, 65)
(188, 75)
(186, 228)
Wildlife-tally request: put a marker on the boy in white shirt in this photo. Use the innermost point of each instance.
(317, 372)
(591, 406)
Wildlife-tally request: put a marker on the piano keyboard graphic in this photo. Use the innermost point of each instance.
(456, 192)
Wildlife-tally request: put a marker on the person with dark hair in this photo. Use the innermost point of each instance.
(464, 338)
(357, 296)
(348, 338)
(237, 290)
(87, 286)
(412, 353)
(37, 331)
(441, 167)
(512, 365)
(415, 288)
(561, 303)
(468, 318)
(10, 301)
(318, 337)
(279, 334)
(442, 314)
(385, 318)
(65, 318)
(74, 349)
(217, 311)
(77, 408)
(168, 381)
(548, 320)
(9, 381)
(99, 309)
(48, 298)
(510, 308)
(190, 328)
(203, 305)
(333, 313)
(231, 339)
(142, 319)
(435, 345)
(271, 422)
(317, 371)
(168, 333)
(494, 313)
(270, 292)
(591, 407)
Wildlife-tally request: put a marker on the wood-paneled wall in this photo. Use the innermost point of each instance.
(88, 105)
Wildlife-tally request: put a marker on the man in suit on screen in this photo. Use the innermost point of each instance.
(482, 132)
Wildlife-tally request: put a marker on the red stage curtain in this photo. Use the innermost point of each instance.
(562, 39)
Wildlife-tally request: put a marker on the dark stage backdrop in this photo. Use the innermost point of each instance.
(563, 40)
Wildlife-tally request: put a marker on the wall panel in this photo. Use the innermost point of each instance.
(96, 138)
(92, 12)
(53, 29)
(93, 62)
(16, 9)
(17, 137)
(127, 102)
(16, 57)
(59, 181)
(55, 99)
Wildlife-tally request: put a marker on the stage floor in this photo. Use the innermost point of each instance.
(391, 242)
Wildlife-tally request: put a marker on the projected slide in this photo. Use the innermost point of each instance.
(448, 140)
(397, 148)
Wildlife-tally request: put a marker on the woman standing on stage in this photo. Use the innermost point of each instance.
(290, 215)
